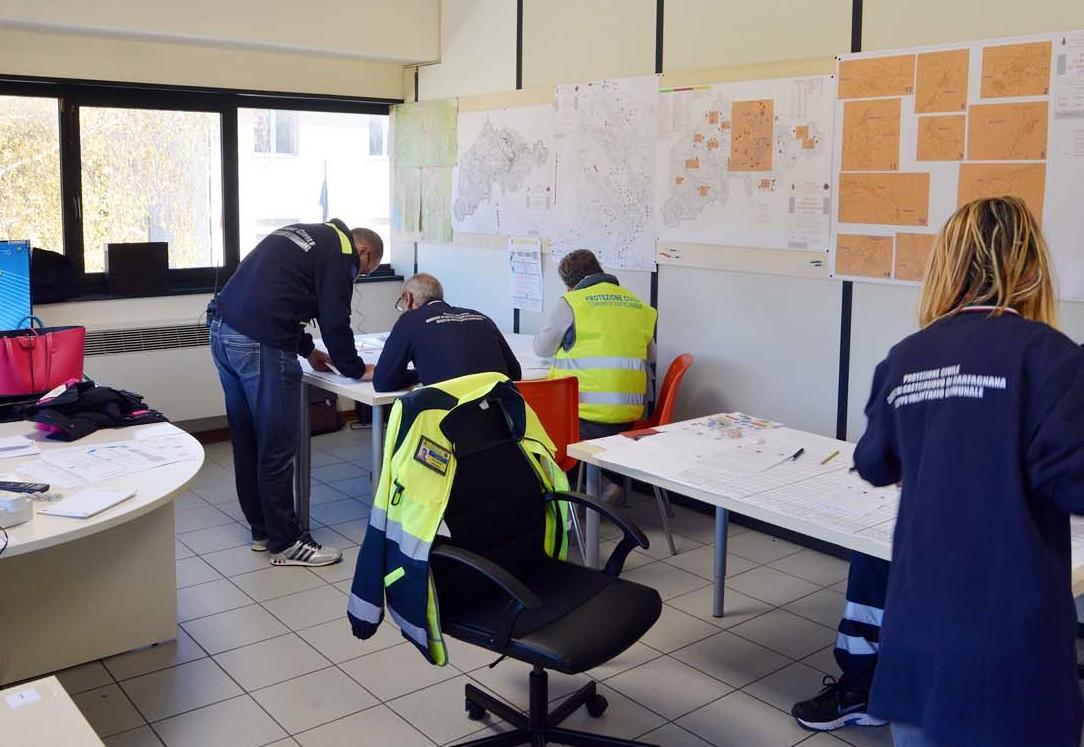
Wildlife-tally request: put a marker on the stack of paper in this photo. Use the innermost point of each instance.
(17, 446)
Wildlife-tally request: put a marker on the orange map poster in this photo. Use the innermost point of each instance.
(877, 76)
(864, 256)
(1016, 70)
(871, 135)
(1025, 180)
(894, 199)
(942, 81)
(751, 135)
(912, 249)
(1007, 132)
(941, 138)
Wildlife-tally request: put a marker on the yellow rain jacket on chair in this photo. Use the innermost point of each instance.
(415, 484)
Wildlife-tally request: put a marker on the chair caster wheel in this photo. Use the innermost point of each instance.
(475, 712)
(596, 706)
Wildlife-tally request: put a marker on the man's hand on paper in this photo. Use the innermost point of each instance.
(319, 360)
(368, 375)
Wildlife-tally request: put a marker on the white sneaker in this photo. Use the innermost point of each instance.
(258, 546)
(307, 551)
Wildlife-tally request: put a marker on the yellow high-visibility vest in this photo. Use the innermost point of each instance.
(613, 329)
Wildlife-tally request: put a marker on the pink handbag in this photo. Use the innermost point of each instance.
(37, 360)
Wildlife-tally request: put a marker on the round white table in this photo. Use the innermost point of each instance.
(76, 590)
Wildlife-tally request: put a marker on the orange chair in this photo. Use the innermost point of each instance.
(556, 402)
(663, 415)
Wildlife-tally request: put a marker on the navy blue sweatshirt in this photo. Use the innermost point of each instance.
(298, 273)
(443, 342)
(982, 420)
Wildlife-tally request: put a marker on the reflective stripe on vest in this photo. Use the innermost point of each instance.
(580, 364)
(363, 610)
(344, 240)
(611, 398)
(613, 329)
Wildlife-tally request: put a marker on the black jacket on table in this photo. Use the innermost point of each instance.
(300, 272)
(982, 420)
(443, 342)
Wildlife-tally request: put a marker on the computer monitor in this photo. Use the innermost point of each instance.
(14, 283)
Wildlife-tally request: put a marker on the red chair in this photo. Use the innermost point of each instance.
(556, 402)
(663, 415)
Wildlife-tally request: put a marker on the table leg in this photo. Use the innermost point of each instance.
(377, 445)
(722, 519)
(594, 489)
(303, 462)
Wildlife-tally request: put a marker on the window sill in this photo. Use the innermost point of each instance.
(390, 278)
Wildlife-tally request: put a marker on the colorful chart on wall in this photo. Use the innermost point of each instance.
(605, 190)
(505, 176)
(922, 131)
(747, 164)
(423, 147)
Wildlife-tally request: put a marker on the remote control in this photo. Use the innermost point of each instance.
(24, 487)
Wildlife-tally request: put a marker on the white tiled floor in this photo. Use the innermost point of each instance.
(264, 656)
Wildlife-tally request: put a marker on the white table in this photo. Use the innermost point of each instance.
(76, 590)
(764, 497)
(40, 714)
(369, 346)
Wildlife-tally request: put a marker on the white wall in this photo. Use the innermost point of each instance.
(405, 31)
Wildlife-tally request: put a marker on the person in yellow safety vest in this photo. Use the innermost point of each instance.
(603, 335)
(416, 480)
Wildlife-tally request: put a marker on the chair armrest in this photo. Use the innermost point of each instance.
(614, 514)
(508, 583)
(634, 536)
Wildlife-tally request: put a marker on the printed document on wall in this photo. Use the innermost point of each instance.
(605, 146)
(926, 130)
(505, 173)
(525, 256)
(747, 164)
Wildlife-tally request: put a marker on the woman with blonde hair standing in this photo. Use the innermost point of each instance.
(980, 416)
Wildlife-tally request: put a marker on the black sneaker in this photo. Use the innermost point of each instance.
(835, 707)
(308, 552)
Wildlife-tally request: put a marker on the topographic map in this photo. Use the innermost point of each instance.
(504, 179)
(605, 145)
(746, 164)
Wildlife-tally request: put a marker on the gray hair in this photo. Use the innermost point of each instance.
(424, 287)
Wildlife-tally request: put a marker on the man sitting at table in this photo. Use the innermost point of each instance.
(442, 341)
(603, 335)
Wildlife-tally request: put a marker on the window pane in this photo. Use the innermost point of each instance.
(332, 176)
(286, 133)
(376, 135)
(152, 176)
(30, 172)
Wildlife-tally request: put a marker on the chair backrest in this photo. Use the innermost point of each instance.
(556, 402)
(668, 394)
(496, 508)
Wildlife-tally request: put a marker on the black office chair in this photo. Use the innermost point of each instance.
(498, 589)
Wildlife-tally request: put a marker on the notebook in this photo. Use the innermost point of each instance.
(86, 503)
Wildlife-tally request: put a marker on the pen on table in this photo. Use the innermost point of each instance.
(830, 457)
(793, 457)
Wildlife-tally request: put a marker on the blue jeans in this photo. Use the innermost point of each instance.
(262, 385)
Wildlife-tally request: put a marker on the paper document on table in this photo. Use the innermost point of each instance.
(86, 503)
(108, 460)
(155, 430)
(174, 448)
(54, 477)
(331, 377)
(525, 256)
(17, 446)
(733, 485)
(839, 500)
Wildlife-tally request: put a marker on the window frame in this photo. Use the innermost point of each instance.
(72, 94)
